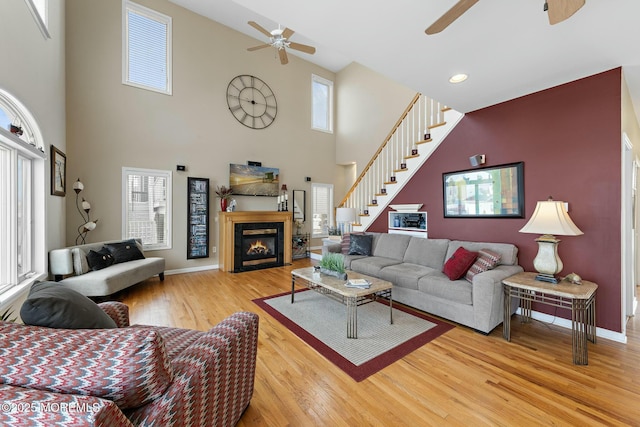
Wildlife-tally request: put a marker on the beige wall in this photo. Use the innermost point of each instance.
(367, 106)
(111, 125)
(33, 71)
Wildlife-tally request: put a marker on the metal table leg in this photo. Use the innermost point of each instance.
(506, 324)
(352, 317)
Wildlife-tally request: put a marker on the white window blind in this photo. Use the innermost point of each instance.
(147, 207)
(322, 209)
(321, 104)
(146, 48)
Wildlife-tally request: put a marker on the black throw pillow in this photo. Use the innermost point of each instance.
(53, 305)
(360, 244)
(99, 260)
(124, 251)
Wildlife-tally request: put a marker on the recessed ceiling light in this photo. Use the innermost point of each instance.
(458, 78)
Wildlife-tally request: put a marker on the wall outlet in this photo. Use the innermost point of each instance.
(213, 249)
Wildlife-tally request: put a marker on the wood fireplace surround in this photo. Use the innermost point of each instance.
(228, 243)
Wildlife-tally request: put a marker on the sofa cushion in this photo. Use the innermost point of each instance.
(487, 260)
(372, 265)
(80, 263)
(360, 244)
(124, 251)
(427, 252)
(100, 259)
(345, 242)
(405, 275)
(508, 251)
(391, 246)
(459, 263)
(128, 366)
(52, 305)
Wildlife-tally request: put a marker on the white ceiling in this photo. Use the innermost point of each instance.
(507, 47)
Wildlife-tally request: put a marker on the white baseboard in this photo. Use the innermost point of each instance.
(191, 269)
(566, 323)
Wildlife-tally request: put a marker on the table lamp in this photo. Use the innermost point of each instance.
(345, 216)
(549, 218)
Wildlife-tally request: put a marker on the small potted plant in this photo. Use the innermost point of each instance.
(333, 265)
(224, 194)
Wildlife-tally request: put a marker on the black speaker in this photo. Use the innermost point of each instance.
(307, 178)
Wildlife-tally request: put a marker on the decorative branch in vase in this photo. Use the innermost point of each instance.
(224, 194)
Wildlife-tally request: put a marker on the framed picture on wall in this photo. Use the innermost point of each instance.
(58, 172)
(490, 192)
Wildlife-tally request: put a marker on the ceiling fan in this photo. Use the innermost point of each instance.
(558, 11)
(279, 39)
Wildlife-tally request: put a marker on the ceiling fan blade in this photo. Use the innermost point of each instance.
(302, 48)
(559, 10)
(259, 28)
(451, 15)
(283, 56)
(288, 32)
(262, 46)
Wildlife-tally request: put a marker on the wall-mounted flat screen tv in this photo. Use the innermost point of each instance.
(246, 180)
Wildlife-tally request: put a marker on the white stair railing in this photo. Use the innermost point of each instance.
(416, 134)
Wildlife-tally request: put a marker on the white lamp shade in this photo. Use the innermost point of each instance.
(86, 205)
(90, 226)
(345, 215)
(550, 217)
(78, 186)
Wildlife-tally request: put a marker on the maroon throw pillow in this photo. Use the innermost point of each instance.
(459, 263)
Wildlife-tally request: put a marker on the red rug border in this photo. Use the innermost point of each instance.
(359, 373)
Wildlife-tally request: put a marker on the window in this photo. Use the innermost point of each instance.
(146, 48)
(322, 209)
(39, 10)
(22, 194)
(146, 207)
(321, 104)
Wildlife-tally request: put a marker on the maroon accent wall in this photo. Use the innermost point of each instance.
(569, 138)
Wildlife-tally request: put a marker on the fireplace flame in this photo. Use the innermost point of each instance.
(258, 248)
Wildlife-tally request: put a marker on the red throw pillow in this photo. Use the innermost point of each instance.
(459, 263)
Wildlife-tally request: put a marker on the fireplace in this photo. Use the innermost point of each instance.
(258, 245)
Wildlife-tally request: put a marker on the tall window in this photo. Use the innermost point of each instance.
(321, 104)
(40, 12)
(146, 207)
(322, 209)
(146, 48)
(21, 194)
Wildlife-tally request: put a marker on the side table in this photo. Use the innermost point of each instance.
(581, 299)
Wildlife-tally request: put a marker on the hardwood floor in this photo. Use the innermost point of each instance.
(461, 378)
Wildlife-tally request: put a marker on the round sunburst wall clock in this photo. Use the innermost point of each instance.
(251, 101)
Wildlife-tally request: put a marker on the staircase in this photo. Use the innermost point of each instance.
(420, 130)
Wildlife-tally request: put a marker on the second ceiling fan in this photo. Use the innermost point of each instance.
(279, 39)
(558, 11)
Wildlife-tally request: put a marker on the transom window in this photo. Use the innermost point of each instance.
(321, 104)
(146, 48)
(146, 207)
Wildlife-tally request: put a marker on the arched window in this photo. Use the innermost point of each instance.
(22, 193)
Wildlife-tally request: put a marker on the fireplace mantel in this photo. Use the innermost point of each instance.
(227, 222)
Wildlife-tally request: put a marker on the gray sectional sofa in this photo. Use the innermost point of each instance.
(414, 265)
(70, 267)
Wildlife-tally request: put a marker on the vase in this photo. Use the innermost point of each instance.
(223, 205)
(334, 273)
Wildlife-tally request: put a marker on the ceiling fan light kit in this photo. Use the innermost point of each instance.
(557, 10)
(279, 39)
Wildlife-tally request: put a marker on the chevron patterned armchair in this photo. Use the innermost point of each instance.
(129, 376)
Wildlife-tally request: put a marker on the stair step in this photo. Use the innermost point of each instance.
(437, 125)
(443, 109)
(412, 156)
(424, 141)
(400, 170)
(390, 182)
(380, 194)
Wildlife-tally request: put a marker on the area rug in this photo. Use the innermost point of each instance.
(321, 322)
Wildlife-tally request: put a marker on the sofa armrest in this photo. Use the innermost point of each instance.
(61, 262)
(30, 407)
(118, 311)
(214, 378)
(488, 296)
